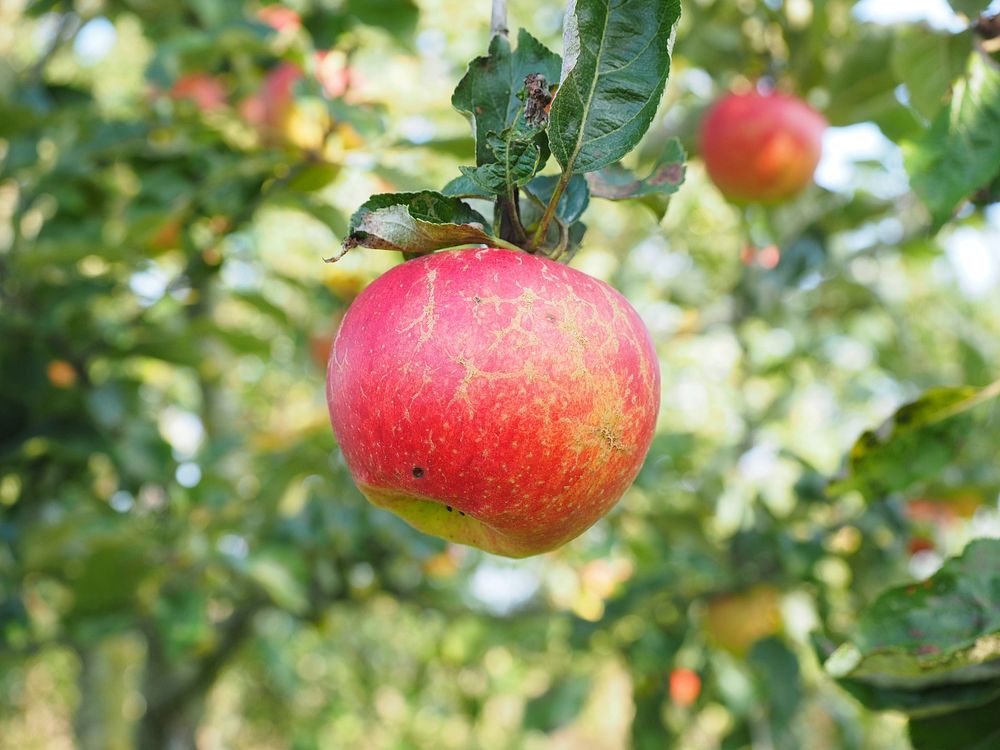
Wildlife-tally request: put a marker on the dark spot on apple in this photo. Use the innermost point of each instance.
(418, 472)
(448, 508)
(551, 318)
(477, 299)
(461, 513)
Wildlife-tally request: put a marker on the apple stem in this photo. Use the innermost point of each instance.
(498, 21)
(550, 210)
(508, 245)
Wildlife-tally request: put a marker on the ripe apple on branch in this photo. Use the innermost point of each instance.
(483, 391)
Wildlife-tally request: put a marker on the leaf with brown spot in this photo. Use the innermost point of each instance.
(616, 183)
(929, 649)
(414, 223)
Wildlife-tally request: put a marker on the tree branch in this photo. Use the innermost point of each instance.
(231, 635)
(69, 24)
(498, 21)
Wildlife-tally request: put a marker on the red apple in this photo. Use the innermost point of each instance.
(206, 91)
(278, 92)
(279, 86)
(685, 686)
(61, 373)
(280, 18)
(493, 398)
(304, 122)
(761, 148)
(254, 111)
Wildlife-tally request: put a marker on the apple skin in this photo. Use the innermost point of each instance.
(761, 148)
(493, 398)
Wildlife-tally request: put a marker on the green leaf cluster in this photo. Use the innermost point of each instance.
(607, 88)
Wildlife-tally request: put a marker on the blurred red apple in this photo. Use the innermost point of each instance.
(685, 687)
(304, 122)
(61, 373)
(206, 91)
(253, 110)
(493, 398)
(278, 91)
(761, 148)
(943, 511)
(280, 18)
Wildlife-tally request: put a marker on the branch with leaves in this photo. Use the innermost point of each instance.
(587, 109)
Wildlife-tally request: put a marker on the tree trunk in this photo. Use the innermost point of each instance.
(170, 730)
(176, 693)
(100, 721)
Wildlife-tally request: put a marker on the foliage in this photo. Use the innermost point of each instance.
(182, 552)
(930, 648)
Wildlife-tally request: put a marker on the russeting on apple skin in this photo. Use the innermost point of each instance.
(761, 148)
(493, 398)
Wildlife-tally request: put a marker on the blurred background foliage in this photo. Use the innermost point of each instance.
(184, 561)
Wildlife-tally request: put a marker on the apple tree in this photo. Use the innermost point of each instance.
(808, 556)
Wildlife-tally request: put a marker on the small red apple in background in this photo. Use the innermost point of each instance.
(253, 110)
(61, 373)
(304, 122)
(278, 90)
(280, 18)
(206, 91)
(944, 511)
(761, 148)
(685, 686)
(493, 398)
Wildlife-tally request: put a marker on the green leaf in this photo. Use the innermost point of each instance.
(617, 61)
(969, 8)
(574, 200)
(989, 194)
(943, 632)
(557, 706)
(928, 61)
(414, 223)
(315, 207)
(915, 443)
(463, 187)
(972, 729)
(488, 93)
(397, 17)
(776, 668)
(931, 701)
(279, 573)
(614, 182)
(863, 87)
(314, 177)
(517, 160)
(960, 152)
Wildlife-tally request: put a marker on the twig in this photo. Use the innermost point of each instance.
(988, 393)
(498, 21)
(69, 24)
(550, 210)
